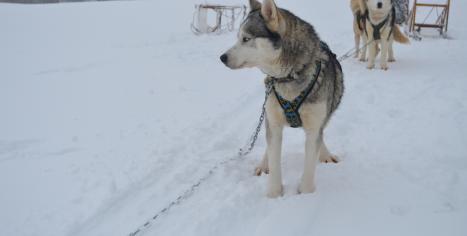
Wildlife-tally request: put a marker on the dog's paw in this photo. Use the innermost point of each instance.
(392, 59)
(370, 67)
(384, 67)
(362, 59)
(306, 188)
(261, 169)
(275, 192)
(329, 159)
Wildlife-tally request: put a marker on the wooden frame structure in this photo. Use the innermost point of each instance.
(441, 22)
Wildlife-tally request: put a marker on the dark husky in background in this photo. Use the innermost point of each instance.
(291, 54)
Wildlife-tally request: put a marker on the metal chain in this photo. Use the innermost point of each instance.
(352, 52)
(251, 142)
(179, 199)
(241, 154)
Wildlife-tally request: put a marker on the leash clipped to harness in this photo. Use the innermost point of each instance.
(291, 107)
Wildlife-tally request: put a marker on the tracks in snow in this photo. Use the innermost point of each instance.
(199, 149)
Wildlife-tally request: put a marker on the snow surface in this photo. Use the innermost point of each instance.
(110, 110)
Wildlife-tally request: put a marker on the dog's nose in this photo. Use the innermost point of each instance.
(224, 58)
(380, 5)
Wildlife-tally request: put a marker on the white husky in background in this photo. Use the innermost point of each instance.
(374, 22)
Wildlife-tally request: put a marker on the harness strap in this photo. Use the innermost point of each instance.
(360, 18)
(332, 56)
(365, 17)
(393, 21)
(291, 108)
(377, 28)
(332, 62)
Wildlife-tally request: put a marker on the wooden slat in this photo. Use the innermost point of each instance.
(430, 5)
(213, 6)
(428, 25)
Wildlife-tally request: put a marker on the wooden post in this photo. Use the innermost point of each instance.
(414, 16)
(447, 15)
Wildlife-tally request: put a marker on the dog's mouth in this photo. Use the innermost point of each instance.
(236, 67)
(378, 14)
(243, 65)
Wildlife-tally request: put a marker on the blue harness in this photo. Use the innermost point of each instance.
(291, 107)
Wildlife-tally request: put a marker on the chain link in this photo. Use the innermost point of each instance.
(352, 52)
(252, 141)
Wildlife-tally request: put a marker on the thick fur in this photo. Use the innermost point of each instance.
(282, 45)
(378, 11)
(399, 36)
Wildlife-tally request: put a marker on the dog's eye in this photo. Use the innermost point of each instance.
(246, 39)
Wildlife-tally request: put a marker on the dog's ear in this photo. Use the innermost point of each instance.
(255, 5)
(272, 16)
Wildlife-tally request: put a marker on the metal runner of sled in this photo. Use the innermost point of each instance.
(226, 18)
(441, 22)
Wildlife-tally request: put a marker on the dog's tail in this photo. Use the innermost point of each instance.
(399, 36)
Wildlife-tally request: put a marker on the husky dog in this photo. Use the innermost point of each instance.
(359, 9)
(301, 69)
(380, 28)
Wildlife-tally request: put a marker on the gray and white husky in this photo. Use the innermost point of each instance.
(307, 84)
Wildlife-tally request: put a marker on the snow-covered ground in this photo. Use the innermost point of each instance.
(110, 110)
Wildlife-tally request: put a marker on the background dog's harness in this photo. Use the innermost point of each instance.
(377, 28)
(361, 20)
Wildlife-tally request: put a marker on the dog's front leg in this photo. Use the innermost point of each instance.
(357, 45)
(274, 161)
(263, 166)
(357, 35)
(312, 145)
(372, 55)
(391, 52)
(363, 51)
(384, 54)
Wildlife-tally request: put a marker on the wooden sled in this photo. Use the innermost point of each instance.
(441, 22)
(226, 18)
